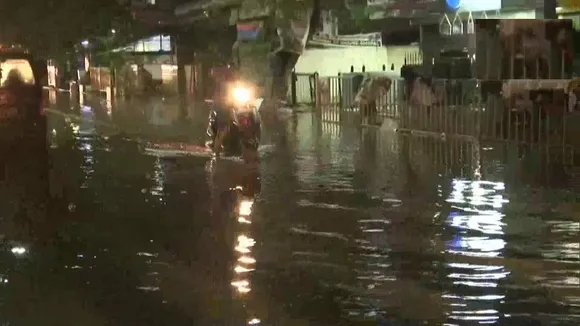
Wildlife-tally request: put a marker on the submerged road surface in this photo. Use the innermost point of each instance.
(348, 228)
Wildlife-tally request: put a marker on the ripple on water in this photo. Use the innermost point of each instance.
(464, 256)
(344, 229)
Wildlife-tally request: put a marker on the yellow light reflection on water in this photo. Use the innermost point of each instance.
(244, 244)
(244, 220)
(476, 219)
(245, 262)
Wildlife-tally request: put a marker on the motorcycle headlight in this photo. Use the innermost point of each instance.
(245, 208)
(242, 95)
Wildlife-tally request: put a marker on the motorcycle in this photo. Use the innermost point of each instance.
(235, 129)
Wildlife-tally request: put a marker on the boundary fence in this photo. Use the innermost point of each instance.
(469, 108)
(459, 158)
(303, 89)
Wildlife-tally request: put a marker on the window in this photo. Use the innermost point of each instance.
(152, 44)
(150, 2)
(16, 70)
(165, 43)
(139, 46)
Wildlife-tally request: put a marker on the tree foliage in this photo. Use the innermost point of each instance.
(53, 27)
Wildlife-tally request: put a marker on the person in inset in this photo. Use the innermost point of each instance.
(14, 78)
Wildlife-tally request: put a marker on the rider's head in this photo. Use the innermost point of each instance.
(223, 76)
(224, 72)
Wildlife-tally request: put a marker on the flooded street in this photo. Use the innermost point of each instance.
(350, 227)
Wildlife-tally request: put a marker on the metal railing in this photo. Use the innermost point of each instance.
(303, 89)
(303, 85)
(468, 108)
(413, 58)
(463, 108)
(356, 97)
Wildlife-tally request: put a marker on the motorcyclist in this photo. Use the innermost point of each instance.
(224, 113)
(224, 77)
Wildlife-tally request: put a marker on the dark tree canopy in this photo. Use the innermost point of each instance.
(52, 27)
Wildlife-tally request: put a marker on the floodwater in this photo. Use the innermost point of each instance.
(350, 228)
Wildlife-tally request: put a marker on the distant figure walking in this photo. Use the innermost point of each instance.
(371, 90)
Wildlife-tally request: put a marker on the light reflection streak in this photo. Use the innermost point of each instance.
(86, 148)
(478, 228)
(87, 121)
(150, 281)
(245, 261)
(158, 179)
(244, 220)
(88, 165)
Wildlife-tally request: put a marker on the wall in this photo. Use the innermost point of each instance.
(331, 61)
(397, 54)
(519, 14)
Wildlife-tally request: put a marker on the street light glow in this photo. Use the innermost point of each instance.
(18, 251)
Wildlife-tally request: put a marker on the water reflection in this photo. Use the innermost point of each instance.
(86, 148)
(245, 263)
(158, 178)
(476, 222)
(325, 245)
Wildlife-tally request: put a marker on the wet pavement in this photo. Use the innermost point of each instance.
(350, 228)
